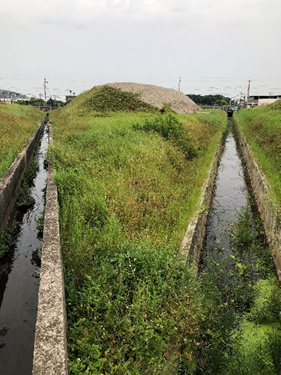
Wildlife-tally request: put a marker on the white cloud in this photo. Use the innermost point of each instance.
(87, 11)
(135, 39)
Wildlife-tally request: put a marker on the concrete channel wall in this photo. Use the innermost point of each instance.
(195, 233)
(10, 182)
(269, 211)
(50, 347)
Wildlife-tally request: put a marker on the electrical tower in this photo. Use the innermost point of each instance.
(179, 86)
(248, 91)
(45, 88)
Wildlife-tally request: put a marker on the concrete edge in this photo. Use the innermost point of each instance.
(270, 214)
(10, 182)
(50, 347)
(193, 240)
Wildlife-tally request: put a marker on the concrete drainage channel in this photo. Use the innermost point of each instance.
(194, 238)
(270, 213)
(50, 345)
(50, 348)
(20, 351)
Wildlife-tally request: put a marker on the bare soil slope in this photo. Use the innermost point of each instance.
(159, 96)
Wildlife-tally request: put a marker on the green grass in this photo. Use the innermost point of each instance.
(244, 287)
(17, 124)
(103, 100)
(126, 195)
(262, 128)
(128, 185)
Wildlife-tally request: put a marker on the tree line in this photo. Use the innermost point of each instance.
(209, 99)
(36, 102)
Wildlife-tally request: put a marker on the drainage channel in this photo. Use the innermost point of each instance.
(232, 197)
(231, 194)
(19, 279)
(235, 254)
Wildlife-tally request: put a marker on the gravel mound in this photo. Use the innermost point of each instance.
(159, 96)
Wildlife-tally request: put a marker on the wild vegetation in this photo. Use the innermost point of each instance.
(242, 284)
(103, 100)
(24, 200)
(128, 184)
(262, 128)
(6, 237)
(17, 125)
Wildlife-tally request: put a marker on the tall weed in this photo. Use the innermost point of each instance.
(17, 125)
(247, 299)
(170, 128)
(125, 198)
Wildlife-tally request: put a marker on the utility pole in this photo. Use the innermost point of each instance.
(45, 88)
(179, 85)
(248, 91)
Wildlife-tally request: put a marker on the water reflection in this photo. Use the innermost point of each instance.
(19, 282)
(230, 195)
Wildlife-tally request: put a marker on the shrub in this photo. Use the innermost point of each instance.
(170, 128)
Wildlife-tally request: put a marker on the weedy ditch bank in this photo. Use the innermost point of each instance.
(237, 272)
(128, 184)
(126, 192)
(261, 130)
(133, 306)
(17, 125)
(19, 270)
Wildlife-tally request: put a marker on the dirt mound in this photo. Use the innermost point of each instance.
(158, 96)
(105, 99)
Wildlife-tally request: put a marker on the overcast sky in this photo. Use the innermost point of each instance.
(215, 46)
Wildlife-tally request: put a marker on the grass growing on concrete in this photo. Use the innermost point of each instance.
(17, 124)
(126, 196)
(6, 238)
(262, 128)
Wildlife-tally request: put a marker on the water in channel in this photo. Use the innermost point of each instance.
(232, 203)
(235, 255)
(230, 196)
(19, 280)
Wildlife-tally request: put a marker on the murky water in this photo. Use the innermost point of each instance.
(230, 195)
(234, 259)
(19, 282)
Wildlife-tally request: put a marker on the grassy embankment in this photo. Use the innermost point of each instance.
(262, 128)
(128, 184)
(255, 344)
(17, 124)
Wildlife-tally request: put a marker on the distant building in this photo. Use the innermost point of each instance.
(263, 99)
(68, 98)
(11, 96)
